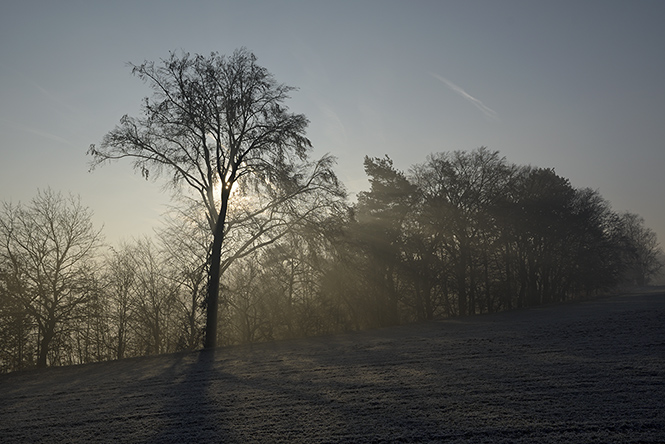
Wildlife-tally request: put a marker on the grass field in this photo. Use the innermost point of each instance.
(581, 372)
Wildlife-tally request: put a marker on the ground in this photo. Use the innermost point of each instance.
(581, 372)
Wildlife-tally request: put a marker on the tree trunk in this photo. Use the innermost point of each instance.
(461, 283)
(121, 343)
(191, 317)
(509, 279)
(213, 287)
(49, 331)
(214, 274)
(488, 284)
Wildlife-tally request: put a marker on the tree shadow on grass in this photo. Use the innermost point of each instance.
(190, 411)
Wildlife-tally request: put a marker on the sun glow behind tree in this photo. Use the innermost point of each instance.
(216, 122)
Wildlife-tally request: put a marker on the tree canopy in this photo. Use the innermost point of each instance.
(219, 125)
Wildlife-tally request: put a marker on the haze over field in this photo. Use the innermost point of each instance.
(572, 85)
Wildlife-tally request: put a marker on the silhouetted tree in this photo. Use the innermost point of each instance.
(88, 335)
(16, 349)
(642, 252)
(381, 214)
(185, 239)
(154, 299)
(119, 281)
(541, 216)
(460, 190)
(49, 246)
(591, 255)
(218, 124)
(468, 232)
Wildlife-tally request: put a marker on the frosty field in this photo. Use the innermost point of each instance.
(582, 372)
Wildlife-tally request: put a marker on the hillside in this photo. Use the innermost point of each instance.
(582, 372)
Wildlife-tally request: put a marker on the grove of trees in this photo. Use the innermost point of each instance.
(262, 244)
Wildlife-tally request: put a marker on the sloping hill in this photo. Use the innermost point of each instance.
(581, 372)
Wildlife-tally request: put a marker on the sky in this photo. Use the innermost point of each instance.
(572, 85)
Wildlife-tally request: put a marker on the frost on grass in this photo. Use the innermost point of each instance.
(580, 372)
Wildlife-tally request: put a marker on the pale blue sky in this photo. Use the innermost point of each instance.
(574, 85)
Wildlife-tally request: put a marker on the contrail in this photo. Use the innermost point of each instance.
(31, 130)
(489, 112)
(56, 99)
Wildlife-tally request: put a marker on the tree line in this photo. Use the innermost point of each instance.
(463, 233)
(467, 232)
(263, 244)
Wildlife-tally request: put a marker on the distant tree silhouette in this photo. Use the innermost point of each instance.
(219, 126)
(16, 325)
(460, 190)
(49, 247)
(467, 232)
(184, 239)
(155, 297)
(119, 281)
(381, 215)
(642, 251)
(152, 297)
(538, 226)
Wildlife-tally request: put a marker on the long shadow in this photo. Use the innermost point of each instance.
(290, 394)
(190, 411)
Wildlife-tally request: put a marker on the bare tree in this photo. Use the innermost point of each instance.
(217, 124)
(642, 249)
(49, 246)
(154, 298)
(119, 280)
(184, 240)
(16, 349)
(459, 189)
